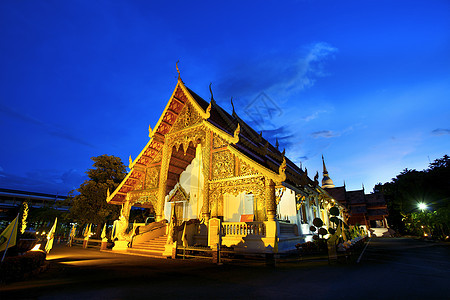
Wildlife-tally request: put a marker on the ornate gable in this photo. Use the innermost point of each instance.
(178, 194)
(187, 118)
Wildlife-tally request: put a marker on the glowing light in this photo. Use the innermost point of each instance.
(36, 248)
(422, 206)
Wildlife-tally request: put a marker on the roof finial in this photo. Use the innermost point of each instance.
(178, 70)
(210, 90)
(150, 131)
(234, 112)
(325, 171)
(276, 143)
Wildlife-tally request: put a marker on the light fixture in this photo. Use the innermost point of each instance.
(422, 206)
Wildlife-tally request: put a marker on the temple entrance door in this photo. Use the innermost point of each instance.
(179, 207)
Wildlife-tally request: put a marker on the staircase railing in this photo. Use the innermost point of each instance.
(152, 230)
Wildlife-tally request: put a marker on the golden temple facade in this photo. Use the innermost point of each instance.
(202, 163)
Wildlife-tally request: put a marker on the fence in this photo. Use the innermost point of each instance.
(243, 229)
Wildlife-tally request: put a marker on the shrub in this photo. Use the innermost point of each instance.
(16, 267)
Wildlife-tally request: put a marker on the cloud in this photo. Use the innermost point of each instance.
(12, 113)
(45, 181)
(279, 74)
(440, 131)
(312, 116)
(283, 135)
(324, 134)
(49, 128)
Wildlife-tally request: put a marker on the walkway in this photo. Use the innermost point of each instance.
(389, 269)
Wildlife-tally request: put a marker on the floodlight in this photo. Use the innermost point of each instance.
(422, 206)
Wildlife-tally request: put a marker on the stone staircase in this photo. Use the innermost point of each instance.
(151, 248)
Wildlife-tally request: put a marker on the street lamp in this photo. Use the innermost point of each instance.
(422, 206)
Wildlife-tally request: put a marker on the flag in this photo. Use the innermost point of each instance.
(103, 236)
(113, 231)
(9, 235)
(50, 237)
(185, 242)
(87, 232)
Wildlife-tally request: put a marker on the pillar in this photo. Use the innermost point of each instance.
(167, 151)
(206, 167)
(271, 205)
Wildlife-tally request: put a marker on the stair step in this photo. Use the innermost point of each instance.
(151, 253)
(154, 247)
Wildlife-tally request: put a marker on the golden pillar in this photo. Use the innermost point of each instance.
(271, 205)
(206, 160)
(166, 153)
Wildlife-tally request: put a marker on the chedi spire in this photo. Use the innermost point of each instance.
(326, 180)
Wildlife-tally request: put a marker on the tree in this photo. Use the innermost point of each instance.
(411, 187)
(90, 205)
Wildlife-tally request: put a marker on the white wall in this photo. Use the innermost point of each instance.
(288, 207)
(191, 180)
(235, 206)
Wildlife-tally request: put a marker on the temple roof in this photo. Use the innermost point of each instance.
(250, 143)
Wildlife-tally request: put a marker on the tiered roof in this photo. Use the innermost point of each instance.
(250, 143)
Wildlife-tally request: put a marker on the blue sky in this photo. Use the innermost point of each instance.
(365, 83)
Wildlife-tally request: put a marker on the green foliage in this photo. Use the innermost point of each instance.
(318, 222)
(334, 211)
(411, 187)
(434, 224)
(90, 205)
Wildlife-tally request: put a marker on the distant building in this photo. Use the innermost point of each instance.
(369, 210)
(13, 199)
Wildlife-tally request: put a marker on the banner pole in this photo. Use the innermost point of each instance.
(9, 239)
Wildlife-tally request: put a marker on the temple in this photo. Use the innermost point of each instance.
(211, 179)
(367, 210)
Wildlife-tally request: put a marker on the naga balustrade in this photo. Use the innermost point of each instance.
(243, 229)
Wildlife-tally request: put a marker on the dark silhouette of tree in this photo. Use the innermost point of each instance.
(90, 206)
(411, 187)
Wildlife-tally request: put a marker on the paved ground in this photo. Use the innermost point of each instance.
(398, 268)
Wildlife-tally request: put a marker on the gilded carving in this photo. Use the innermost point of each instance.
(138, 176)
(180, 95)
(253, 185)
(157, 157)
(186, 136)
(169, 117)
(156, 145)
(245, 169)
(152, 177)
(144, 196)
(176, 106)
(163, 128)
(237, 186)
(218, 142)
(206, 158)
(187, 117)
(222, 164)
(178, 194)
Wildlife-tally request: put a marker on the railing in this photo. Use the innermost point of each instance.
(243, 229)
